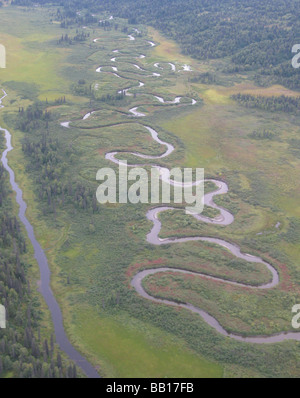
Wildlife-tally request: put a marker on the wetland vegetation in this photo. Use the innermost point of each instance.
(244, 130)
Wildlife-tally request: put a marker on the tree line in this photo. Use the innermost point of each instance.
(25, 351)
(255, 35)
(282, 103)
(48, 163)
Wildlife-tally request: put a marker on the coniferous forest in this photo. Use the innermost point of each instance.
(25, 350)
(143, 288)
(255, 35)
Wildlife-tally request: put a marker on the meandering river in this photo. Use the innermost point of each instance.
(225, 218)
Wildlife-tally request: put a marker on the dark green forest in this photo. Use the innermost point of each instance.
(25, 351)
(255, 35)
(272, 104)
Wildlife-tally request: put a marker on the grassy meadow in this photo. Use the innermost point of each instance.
(93, 255)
